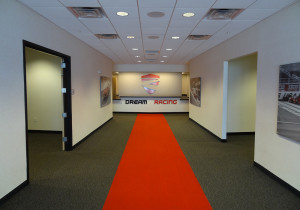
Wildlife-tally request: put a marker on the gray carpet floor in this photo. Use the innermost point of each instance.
(81, 179)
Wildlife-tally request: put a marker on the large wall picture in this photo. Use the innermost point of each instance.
(288, 119)
(195, 89)
(105, 91)
(149, 81)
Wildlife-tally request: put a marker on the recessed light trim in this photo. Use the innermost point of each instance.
(175, 37)
(130, 37)
(122, 14)
(188, 14)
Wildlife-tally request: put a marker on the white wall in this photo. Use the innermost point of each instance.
(44, 97)
(18, 23)
(186, 84)
(241, 99)
(276, 39)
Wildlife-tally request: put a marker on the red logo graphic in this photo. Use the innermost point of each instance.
(153, 79)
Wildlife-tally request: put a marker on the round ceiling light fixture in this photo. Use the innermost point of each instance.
(137, 56)
(122, 14)
(130, 37)
(139, 61)
(135, 49)
(169, 49)
(162, 61)
(175, 37)
(188, 14)
(156, 14)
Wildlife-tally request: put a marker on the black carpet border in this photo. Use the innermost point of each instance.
(13, 192)
(276, 178)
(221, 140)
(85, 138)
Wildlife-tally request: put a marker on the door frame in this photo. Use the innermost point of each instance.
(67, 99)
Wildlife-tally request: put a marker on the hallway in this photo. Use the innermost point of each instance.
(81, 179)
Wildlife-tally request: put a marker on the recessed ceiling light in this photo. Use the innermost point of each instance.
(137, 56)
(135, 49)
(130, 37)
(139, 61)
(162, 61)
(175, 37)
(165, 56)
(188, 14)
(169, 49)
(122, 14)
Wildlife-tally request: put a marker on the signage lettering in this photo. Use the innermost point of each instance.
(165, 101)
(135, 101)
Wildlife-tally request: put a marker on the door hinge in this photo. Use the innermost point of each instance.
(64, 115)
(63, 65)
(64, 90)
(65, 139)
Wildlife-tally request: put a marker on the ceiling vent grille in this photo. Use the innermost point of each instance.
(223, 14)
(151, 51)
(199, 37)
(107, 36)
(87, 12)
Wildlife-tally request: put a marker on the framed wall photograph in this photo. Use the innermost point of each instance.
(105, 91)
(288, 118)
(195, 91)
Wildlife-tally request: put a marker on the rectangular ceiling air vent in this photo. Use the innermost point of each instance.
(87, 12)
(223, 14)
(107, 36)
(199, 37)
(151, 51)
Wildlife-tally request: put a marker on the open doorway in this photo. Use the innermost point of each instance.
(47, 80)
(241, 95)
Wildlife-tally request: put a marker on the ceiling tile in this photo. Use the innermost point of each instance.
(111, 12)
(148, 30)
(255, 14)
(154, 24)
(157, 3)
(54, 12)
(39, 3)
(118, 3)
(98, 25)
(271, 4)
(195, 3)
(233, 3)
(80, 3)
(209, 27)
(145, 11)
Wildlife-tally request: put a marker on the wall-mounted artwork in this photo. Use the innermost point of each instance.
(195, 91)
(288, 119)
(149, 81)
(105, 91)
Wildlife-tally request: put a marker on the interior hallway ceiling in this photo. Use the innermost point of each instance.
(160, 31)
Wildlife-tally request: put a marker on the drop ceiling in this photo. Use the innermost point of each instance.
(155, 33)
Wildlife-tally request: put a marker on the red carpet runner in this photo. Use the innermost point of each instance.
(153, 172)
